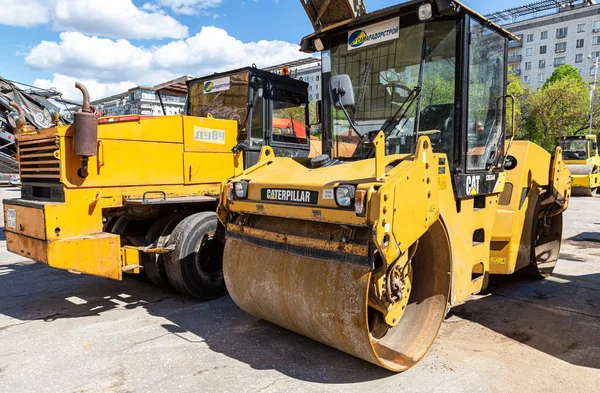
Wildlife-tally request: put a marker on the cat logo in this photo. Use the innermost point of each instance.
(472, 185)
(208, 87)
(357, 38)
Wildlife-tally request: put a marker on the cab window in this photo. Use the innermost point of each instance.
(486, 104)
(576, 149)
(289, 117)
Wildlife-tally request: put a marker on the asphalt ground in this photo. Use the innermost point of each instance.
(61, 332)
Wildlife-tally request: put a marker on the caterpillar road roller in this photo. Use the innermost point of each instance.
(367, 252)
(137, 195)
(580, 153)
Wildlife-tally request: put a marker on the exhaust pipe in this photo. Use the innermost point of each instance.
(85, 132)
(21, 122)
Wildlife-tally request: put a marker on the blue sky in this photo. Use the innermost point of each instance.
(115, 44)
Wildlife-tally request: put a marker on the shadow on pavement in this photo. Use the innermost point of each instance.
(587, 237)
(36, 292)
(558, 316)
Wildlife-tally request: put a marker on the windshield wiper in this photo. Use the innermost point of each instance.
(390, 125)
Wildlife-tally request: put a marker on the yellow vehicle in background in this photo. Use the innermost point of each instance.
(137, 194)
(580, 153)
(367, 252)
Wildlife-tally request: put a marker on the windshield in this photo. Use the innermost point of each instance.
(289, 119)
(419, 64)
(404, 81)
(574, 149)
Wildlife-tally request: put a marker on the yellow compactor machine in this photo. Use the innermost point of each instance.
(137, 194)
(580, 153)
(366, 253)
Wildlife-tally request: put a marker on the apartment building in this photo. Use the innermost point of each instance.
(145, 100)
(555, 33)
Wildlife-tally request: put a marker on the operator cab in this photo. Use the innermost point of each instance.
(579, 148)
(431, 68)
(271, 110)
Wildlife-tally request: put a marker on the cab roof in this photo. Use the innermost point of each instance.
(394, 10)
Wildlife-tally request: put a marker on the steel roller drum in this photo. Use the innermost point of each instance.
(327, 300)
(582, 169)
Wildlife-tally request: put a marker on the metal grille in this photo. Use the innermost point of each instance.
(37, 160)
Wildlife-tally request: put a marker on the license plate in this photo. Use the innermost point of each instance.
(11, 218)
(286, 195)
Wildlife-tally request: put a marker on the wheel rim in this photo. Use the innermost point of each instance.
(209, 258)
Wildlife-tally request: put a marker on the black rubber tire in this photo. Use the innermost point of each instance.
(195, 267)
(120, 226)
(158, 235)
(109, 224)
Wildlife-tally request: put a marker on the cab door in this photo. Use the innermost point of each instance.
(257, 127)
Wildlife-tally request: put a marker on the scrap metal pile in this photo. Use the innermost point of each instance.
(33, 107)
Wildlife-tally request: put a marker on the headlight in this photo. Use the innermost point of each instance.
(241, 189)
(344, 196)
(425, 11)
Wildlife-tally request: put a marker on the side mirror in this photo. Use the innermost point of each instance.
(242, 145)
(594, 146)
(342, 92)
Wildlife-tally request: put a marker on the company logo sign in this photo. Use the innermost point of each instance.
(216, 85)
(357, 38)
(286, 195)
(208, 87)
(374, 34)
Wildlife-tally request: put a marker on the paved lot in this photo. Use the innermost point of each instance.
(66, 333)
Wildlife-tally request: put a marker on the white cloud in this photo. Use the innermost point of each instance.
(66, 85)
(110, 18)
(115, 18)
(25, 13)
(113, 61)
(189, 7)
(90, 57)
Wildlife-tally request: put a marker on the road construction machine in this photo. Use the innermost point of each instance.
(366, 252)
(580, 153)
(137, 194)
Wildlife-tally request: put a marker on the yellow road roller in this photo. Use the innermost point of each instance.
(580, 153)
(137, 194)
(367, 251)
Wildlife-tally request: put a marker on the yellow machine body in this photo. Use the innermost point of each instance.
(139, 161)
(419, 198)
(309, 270)
(580, 153)
(138, 194)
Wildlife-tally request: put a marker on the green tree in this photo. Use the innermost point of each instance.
(557, 110)
(562, 72)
